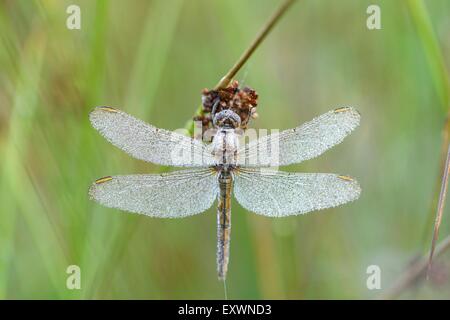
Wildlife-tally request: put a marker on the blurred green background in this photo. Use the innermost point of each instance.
(152, 59)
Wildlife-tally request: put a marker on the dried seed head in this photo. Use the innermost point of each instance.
(242, 101)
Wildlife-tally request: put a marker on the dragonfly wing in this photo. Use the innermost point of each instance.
(302, 143)
(278, 193)
(146, 142)
(169, 195)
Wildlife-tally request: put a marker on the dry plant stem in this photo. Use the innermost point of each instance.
(246, 55)
(434, 201)
(417, 269)
(259, 38)
(440, 209)
(413, 273)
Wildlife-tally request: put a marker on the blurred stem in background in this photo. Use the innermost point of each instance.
(440, 208)
(410, 276)
(17, 178)
(440, 78)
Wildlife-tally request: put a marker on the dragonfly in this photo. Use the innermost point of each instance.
(223, 168)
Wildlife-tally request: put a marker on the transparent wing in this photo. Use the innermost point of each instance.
(278, 194)
(302, 143)
(148, 143)
(169, 195)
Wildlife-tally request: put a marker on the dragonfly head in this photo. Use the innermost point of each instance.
(227, 118)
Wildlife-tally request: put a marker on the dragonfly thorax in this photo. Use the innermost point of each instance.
(225, 146)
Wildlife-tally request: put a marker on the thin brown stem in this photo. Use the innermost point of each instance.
(440, 208)
(434, 200)
(246, 55)
(413, 273)
(256, 42)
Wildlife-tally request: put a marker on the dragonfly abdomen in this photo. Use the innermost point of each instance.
(223, 222)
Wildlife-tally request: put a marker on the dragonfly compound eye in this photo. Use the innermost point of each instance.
(227, 118)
